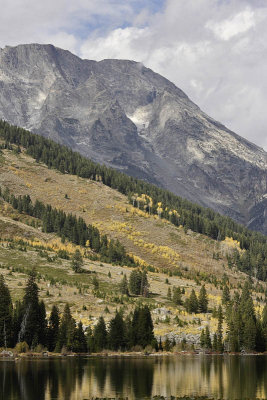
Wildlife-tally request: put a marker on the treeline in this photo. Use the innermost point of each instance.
(190, 215)
(68, 226)
(246, 328)
(26, 326)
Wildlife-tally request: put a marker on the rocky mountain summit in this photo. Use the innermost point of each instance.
(122, 114)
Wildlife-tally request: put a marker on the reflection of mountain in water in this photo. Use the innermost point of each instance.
(230, 377)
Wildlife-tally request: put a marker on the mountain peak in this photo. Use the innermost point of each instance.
(120, 113)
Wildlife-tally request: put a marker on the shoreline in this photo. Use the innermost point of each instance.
(46, 355)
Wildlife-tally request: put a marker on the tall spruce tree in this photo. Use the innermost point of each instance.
(100, 335)
(191, 304)
(66, 330)
(124, 286)
(33, 322)
(226, 295)
(135, 282)
(77, 261)
(203, 300)
(79, 340)
(220, 346)
(144, 289)
(53, 328)
(177, 296)
(208, 344)
(145, 327)
(264, 323)
(116, 334)
(6, 311)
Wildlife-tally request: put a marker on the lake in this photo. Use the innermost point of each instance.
(71, 378)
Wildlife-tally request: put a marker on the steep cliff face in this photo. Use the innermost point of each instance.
(124, 115)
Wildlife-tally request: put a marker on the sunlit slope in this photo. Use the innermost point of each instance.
(155, 241)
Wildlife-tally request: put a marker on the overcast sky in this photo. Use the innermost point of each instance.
(215, 50)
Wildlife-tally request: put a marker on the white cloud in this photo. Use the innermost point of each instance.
(215, 51)
(120, 43)
(231, 27)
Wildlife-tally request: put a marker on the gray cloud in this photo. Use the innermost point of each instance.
(215, 50)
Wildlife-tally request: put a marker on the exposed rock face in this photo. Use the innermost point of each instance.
(122, 114)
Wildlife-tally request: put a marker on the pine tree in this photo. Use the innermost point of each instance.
(53, 328)
(66, 330)
(90, 340)
(203, 300)
(32, 326)
(124, 286)
(144, 289)
(79, 340)
(220, 346)
(135, 282)
(116, 334)
(249, 337)
(169, 294)
(177, 296)
(202, 338)
(100, 335)
(264, 324)
(145, 335)
(226, 295)
(215, 342)
(6, 310)
(192, 303)
(208, 344)
(77, 261)
(42, 334)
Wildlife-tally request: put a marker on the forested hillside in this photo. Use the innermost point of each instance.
(116, 257)
(148, 197)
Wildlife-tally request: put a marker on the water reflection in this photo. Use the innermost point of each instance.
(231, 377)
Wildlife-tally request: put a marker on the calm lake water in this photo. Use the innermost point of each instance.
(229, 377)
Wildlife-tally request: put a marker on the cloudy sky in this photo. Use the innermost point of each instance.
(215, 50)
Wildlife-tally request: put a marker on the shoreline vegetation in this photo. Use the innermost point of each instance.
(27, 328)
(11, 355)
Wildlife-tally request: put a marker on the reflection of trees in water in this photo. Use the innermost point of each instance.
(246, 375)
(123, 375)
(230, 377)
(98, 367)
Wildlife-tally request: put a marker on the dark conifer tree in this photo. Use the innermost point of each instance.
(264, 323)
(203, 300)
(215, 342)
(79, 340)
(116, 334)
(145, 327)
(192, 303)
(66, 330)
(202, 338)
(53, 328)
(77, 261)
(6, 311)
(100, 335)
(32, 325)
(124, 286)
(135, 282)
(226, 295)
(208, 344)
(144, 289)
(220, 346)
(177, 296)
